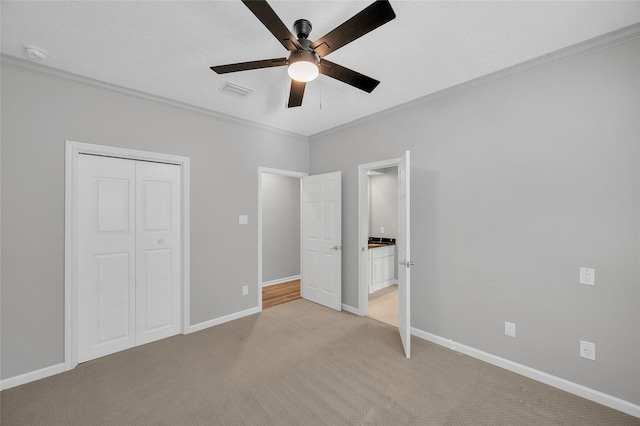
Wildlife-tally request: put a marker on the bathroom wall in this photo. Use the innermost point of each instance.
(383, 203)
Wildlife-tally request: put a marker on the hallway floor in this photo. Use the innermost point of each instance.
(280, 293)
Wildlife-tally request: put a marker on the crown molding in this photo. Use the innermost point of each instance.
(586, 47)
(24, 65)
(595, 44)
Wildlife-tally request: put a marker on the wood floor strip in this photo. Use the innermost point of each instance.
(277, 294)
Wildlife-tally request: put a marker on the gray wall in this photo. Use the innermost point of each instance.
(516, 184)
(280, 226)
(383, 204)
(38, 114)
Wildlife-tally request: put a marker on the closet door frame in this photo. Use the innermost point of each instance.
(73, 150)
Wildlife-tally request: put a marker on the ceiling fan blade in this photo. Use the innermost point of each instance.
(295, 94)
(370, 18)
(251, 65)
(274, 24)
(348, 76)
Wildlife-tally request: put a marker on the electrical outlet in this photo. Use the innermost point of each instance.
(588, 350)
(382, 229)
(587, 276)
(509, 329)
(245, 290)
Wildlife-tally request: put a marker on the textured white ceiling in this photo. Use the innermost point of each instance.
(166, 48)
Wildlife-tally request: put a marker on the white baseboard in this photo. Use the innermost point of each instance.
(32, 376)
(59, 368)
(540, 376)
(222, 320)
(280, 280)
(351, 309)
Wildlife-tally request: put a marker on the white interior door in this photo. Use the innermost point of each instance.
(404, 253)
(321, 223)
(157, 251)
(106, 256)
(129, 251)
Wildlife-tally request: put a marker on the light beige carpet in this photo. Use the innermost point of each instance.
(295, 364)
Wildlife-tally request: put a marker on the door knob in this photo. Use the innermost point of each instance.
(335, 248)
(160, 241)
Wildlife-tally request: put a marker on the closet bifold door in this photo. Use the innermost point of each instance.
(157, 251)
(106, 256)
(129, 251)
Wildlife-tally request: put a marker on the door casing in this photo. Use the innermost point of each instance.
(72, 151)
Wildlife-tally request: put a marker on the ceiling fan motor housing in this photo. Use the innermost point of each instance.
(303, 55)
(306, 54)
(302, 28)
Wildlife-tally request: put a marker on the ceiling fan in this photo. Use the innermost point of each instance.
(306, 58)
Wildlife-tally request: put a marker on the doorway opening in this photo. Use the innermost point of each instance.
(278, 236)
(366, 174)
(401, 258)
(382, 231)
(320, 230)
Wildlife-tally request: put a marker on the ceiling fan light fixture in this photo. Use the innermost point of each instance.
(303, 71)
(303, 66)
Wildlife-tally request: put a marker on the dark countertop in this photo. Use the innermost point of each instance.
(375, 242)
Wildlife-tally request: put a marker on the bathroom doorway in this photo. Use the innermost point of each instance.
(402, 259)
(381, 248)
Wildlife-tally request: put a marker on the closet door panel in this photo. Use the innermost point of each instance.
(106, 256)
(158, 251)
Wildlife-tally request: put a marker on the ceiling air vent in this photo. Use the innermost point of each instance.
(235, 90)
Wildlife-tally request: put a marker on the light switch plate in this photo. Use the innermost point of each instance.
(243, 219)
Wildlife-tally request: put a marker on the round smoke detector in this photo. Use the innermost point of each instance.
(35, 53)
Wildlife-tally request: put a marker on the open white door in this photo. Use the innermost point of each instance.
(321, 223)
(404, 255)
